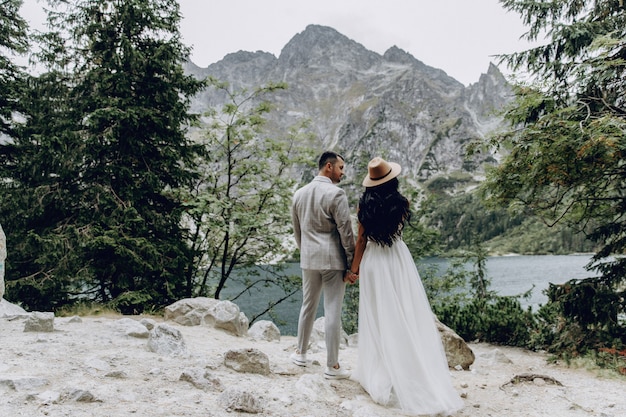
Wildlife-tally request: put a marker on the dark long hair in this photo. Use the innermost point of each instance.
(383, 212)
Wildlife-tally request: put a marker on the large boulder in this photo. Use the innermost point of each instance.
(458, 353)
(251, 361)
(9, 310)
(264, 330)
(39, 321)
(198, 311)
(229, 318)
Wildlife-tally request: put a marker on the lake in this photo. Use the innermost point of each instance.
(509, 275)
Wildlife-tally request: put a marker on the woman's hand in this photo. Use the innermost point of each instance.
(350, 277)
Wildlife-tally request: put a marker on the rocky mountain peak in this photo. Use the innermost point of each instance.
(399, 56)
(494, 77)
(324, 46)
(488, 96)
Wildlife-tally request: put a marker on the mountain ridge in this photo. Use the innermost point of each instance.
(365, 104)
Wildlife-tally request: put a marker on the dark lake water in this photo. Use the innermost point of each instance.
(509, 275)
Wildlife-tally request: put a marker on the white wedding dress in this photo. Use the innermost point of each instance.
(401, 361)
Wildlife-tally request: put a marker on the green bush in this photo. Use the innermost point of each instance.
(580, 318)
(499, 320)
(476, 313)
(132, 302)
(350, 313)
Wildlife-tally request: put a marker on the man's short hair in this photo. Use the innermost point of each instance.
(328, 156)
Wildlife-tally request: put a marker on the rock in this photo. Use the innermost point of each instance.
(97, 364)
(264, 330)
(10, 310)
(197, 311)
(458, 353)
(75, 319)
(234, 399)
(48, 397)
(24, 383)
(116, 374)
(316, 388)
(201, 379)
(192, 311)
(39, 322)
(495, 356)
(132, 328)
(148, 323)
(229, 318)
(318, 335)
(248, 361)
(166, 340)
(81, 396)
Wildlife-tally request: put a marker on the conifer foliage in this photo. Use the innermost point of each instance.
(567, 145)
(90, 185)
(13, 40)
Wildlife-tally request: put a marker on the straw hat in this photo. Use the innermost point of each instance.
(380, 171)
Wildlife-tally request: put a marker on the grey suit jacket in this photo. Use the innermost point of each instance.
(322, 225)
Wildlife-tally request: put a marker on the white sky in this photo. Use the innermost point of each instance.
(457, 36)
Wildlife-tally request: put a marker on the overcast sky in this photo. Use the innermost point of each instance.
(458, 36)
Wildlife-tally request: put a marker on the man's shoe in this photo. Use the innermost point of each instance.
(299, 359)
(334, 373)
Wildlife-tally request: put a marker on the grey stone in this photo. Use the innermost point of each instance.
(247, 361)
(24, 383)
(264, 330)
(8, 309)
(198, 311)
(316, 388)
(234, 399)
(458, 352)
(39, 321)
(167, 340)
(81, 396)
(201, 379)
(132, 328)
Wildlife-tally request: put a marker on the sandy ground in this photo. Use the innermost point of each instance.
(41, 374)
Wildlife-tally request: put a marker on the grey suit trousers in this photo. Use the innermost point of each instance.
(314, 283)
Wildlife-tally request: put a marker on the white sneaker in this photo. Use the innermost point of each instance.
(299, 359)
(333, 373)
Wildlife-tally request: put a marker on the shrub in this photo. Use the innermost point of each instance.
(480, 314)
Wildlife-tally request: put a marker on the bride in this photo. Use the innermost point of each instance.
(401, 361)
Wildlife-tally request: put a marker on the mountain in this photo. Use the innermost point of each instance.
(364, 104)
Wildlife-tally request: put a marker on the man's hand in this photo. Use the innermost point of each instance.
(350, 277)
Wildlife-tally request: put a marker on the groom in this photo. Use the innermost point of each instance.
(323, 232)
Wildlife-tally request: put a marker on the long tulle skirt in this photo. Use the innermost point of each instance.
(401, 361)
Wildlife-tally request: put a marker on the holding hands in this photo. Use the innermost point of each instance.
(350, 277)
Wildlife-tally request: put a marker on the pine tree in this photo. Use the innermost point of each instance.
(107, 141)
(13, 41)
(567, 145)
